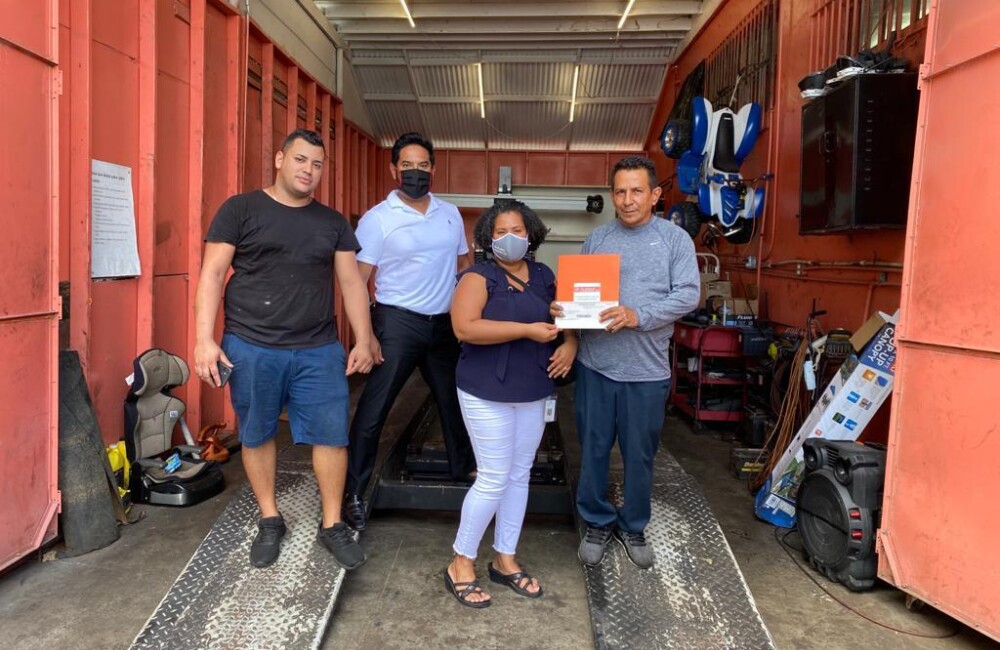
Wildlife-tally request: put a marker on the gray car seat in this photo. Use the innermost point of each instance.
(151, 415)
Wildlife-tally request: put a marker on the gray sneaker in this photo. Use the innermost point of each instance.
(592, 546)
(338, 540)
(636, 548)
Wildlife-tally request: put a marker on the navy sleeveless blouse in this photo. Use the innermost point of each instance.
(515, 371)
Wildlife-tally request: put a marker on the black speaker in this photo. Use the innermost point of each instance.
(838, 509)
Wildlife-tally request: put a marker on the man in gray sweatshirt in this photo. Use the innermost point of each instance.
(623, 375)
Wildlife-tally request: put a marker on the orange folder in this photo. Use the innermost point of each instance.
(605, 269)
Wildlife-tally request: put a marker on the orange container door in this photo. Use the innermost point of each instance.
(29, 300)
(941, 517)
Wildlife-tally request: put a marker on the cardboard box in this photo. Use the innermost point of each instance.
(722, 288)
(869, 329)
(740, 311)
(845, 407)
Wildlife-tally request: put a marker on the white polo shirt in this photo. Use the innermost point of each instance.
(416, 254)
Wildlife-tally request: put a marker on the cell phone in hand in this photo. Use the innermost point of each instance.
(224, 373)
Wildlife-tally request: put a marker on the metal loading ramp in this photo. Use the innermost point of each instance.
(220, 601)
(693, 597)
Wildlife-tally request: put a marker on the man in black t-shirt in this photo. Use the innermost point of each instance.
(280, 340)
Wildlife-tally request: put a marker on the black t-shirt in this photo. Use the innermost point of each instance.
(281, 290)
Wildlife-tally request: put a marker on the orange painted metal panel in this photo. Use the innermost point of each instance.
(64, 152)
(219, 173)
(29, 303)
(30, 25)
(170, 310)
(115, 25)
(173, 36)
(114, 345)
(516, 160)
(76, 105)
(172, 178)
(466, 173)
(589, 168)
(267, 143)
(28, 447)
(939, 521)
(546, 168)
(114, 126)
(292, 101)
(253, 174)
(373, 173)
(24, 262)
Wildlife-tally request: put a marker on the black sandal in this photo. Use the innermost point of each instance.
(514, 580)
(462, 590)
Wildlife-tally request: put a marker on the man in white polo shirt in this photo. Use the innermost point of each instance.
(416, 245)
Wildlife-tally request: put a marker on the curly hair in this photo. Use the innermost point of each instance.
(482, 236)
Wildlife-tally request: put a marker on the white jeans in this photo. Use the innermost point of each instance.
(504, 437)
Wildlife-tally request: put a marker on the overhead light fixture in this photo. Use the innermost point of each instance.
(406, 10)
(572, 102)
(621, 22)
(482, 102)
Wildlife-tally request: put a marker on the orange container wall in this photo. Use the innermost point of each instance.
(29, 302)
(478, 172)
(940, 519)
(175, 90)
(848, 295)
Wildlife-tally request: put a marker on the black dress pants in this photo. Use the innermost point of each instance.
(409, 340)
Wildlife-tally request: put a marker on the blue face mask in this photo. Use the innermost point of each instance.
(510, 247)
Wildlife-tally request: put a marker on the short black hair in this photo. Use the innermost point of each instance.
(406, 140)
(482, 235)
(630, 163)
(313, 138)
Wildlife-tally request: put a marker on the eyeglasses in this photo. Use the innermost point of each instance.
(422, 166)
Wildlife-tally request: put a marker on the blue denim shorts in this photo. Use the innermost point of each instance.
(310, 382)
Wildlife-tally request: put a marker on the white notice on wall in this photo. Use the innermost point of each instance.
(114, 252)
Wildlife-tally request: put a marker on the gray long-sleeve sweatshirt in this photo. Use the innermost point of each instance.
(660, 281)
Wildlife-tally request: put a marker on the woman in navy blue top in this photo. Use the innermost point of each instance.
(500, 313)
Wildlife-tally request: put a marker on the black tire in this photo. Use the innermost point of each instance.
(676, 138)
(687, 216)
(741, 232)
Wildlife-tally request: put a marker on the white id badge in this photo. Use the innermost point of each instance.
(550, 408)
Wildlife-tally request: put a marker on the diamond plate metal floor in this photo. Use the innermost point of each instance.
(220, 601)
(695, 595)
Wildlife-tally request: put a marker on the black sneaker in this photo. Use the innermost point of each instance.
(592, 546)
(353, 511)
(636, 548)
(267, 544)
(338, 540)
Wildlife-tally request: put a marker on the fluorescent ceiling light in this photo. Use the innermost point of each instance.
(412, 24)
(482, 102)
(572, 103)
(620, 22)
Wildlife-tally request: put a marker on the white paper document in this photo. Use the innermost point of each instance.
(582, 312)
(114, 252)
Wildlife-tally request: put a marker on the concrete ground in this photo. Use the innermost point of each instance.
(101, 600)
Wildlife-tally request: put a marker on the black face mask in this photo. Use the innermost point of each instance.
(415, 183)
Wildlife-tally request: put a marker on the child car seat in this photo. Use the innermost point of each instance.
(151, 415)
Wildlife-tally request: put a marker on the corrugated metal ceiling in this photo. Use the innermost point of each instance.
(425, 77)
